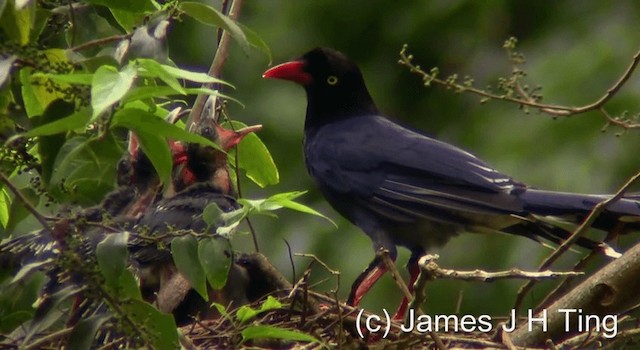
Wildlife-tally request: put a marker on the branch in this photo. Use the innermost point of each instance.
(525, 99)
(101, 41)
(216, 66)
(47, 339)
(215, 71)
(610, 291)
(393, 270)
(25, 202)
(433, 271)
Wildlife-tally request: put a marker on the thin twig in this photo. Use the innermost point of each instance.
(101, 41)
(186, 342)
(293, 265)
(316, 259)
(506, 340)
(525, 100)
(72, 19)
(254, 235)
(565, 284)
(432, 269)
(25, 202)
(223, 8)
(586, 224)
(41, 341)
(393, 269)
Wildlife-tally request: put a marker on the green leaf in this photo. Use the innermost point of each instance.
(212, 214)
(160, 326)
(245, 312)
(29, 97)
(75, 121)
(256, 41)
(184, 250)
(15, 299)
(153, 133)
(231, 220)
(261, 332)
(215, 257)
(17, 213)
(90, 23)
(5, 204)
(84, 169)
(193, 76)
(36, 91)
(126, 19)
(137, 119)
(109, 86)
(16, 22)
(270, 304)
(282, 200)
(144, 92)
(57, 118)
(156, 70)
(73, 78)
(156, 148)
(10, 320)
(42, 17)
(222, 310)
(112, 254)
(255, 159)
(210, 16)
(224, 223)
(84, 333)
(113, 258)
(127, 5)
(286, 200)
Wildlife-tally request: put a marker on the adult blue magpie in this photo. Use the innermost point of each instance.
(402, 187)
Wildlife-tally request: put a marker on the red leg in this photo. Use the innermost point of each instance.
(365, 281)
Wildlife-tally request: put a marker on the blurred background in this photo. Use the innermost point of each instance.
(574, 50)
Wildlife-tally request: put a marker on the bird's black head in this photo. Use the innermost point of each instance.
(334, 84)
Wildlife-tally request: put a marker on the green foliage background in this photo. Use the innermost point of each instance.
(575, 50)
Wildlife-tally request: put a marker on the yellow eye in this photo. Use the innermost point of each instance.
(332, 80)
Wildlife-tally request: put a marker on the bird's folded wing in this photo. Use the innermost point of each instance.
(399, 172)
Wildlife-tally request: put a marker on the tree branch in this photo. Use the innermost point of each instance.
(25, 202)
(216, 66)
(610, 291)
(525, 99)
(433, 271)
(98, 42)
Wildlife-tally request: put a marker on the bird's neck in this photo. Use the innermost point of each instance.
(322, 111)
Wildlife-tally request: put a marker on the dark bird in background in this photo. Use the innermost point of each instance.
(402, 187)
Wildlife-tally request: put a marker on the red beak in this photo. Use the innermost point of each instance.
(293, 71)
(229, 138)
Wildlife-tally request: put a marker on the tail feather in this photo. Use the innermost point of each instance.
(576, 207)
(557, 235)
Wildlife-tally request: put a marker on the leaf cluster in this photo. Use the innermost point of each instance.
(75, 79)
